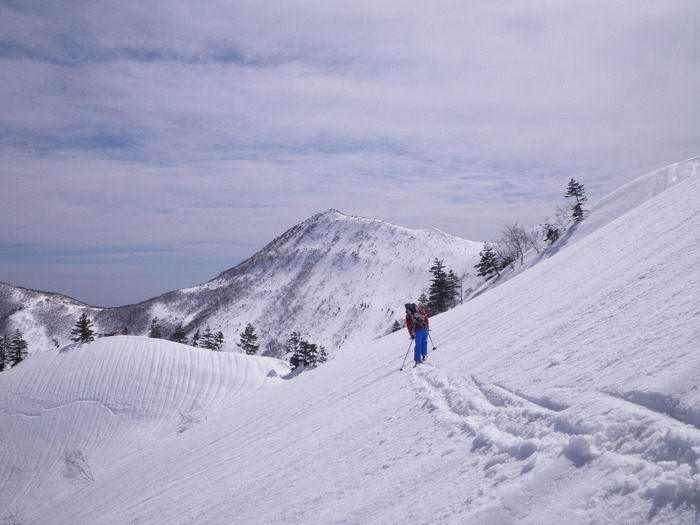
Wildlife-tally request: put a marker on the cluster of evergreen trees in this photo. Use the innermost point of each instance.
(208, 339)
(304, 353)
(13, 350)
(445, 292)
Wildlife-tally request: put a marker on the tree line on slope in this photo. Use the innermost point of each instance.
(83, 333)
(301, 352)
(516, 240)
(446, 288)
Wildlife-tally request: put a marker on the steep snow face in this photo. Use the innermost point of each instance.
(108, 400)
(569, 394)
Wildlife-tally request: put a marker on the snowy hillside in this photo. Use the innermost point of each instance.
(338, 279)
(109, 400)
(569, 394)
(335, 278)
(635, 193)
(41, 317)
(607, 209)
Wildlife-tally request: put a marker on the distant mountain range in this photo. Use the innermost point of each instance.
(335, 278)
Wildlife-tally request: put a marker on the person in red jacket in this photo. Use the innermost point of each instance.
(417, 324)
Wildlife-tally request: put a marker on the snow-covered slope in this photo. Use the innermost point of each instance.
(632, 195)
(570, 393)
(42, 317)
(107, 401)
(335, 278)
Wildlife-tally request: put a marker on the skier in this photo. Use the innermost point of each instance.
(417, 325)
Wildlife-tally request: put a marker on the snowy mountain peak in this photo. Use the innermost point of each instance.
(335, 272)
(332, 213)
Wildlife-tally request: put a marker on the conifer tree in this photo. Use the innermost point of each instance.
(83, 332)
(315, 354)
(210, 340)
(577, 191)
(249, 340)
(551, 232)
(291, 345)
(4, 352)
(488, 264)
(207, 340)
(308, 355)
(179, 335)
(18, 349)
(218, 340)
(297, 360)
(395, 327)
(441, 290)
(423, 302)
(196, 339)
(154, 331)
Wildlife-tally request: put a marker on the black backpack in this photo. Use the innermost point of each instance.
(415, 316)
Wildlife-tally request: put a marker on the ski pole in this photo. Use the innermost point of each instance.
(431, 341)
(406, 356)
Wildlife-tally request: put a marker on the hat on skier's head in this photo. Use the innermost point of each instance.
(410, 306)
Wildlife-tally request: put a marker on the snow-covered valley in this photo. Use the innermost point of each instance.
(569, 393)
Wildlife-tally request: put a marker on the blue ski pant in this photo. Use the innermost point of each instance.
(421, 344)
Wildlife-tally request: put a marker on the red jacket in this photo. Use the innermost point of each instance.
(409, 323)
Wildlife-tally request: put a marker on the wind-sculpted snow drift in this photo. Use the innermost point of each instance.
(568, 394)
(101, 402)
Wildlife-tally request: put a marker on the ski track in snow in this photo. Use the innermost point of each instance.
(509, 426)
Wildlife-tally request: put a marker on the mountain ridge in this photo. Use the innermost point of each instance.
(329, 246)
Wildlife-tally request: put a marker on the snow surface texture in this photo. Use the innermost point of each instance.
(338, 279)
(99, 403)
(568, 394)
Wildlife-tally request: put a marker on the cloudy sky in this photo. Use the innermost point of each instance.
(147, 146)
